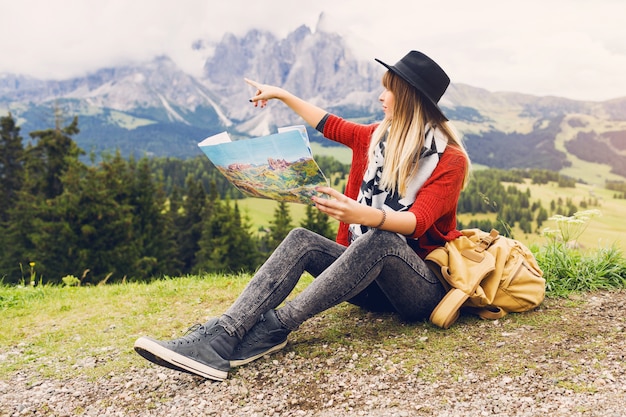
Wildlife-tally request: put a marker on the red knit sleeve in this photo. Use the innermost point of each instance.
(353, 135)
(436, 202)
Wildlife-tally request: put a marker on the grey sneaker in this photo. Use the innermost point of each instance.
(156, 360)
(267, 336)
(193, 353)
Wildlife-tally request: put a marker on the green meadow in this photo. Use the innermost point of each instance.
(605, 230)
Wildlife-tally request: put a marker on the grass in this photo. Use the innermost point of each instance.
(261, 211)
(52, 328)
(342, 154)
(603, 231)
(61, 331)
(569, 271)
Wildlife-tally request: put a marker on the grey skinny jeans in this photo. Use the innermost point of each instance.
(378, 271)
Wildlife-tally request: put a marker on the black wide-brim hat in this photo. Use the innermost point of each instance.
(423, 73)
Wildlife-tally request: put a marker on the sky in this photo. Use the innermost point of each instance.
(567, 48)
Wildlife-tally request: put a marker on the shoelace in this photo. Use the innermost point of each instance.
(192, 333)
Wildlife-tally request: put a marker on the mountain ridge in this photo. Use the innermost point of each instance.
(157, 109)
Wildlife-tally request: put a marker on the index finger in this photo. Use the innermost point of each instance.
(252, 83)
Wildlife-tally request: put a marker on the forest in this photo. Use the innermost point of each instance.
(592, 147)
(68, 216)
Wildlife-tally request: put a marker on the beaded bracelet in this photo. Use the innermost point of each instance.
(383, 220)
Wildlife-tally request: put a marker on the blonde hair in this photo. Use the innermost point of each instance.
(406, 133)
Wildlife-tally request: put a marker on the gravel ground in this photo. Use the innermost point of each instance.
(577, 367)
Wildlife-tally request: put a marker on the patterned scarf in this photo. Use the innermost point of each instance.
(373, 195)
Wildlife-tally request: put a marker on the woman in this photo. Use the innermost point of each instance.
(399, 204)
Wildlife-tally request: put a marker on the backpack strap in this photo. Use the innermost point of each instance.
(449, 308)
(463, 263)
(487, 240)
(486, 313)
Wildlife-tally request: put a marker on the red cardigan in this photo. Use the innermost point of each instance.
(436, 202)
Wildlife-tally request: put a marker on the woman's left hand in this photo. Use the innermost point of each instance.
(340, 207)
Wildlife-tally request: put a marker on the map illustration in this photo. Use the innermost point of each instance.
(278, 167)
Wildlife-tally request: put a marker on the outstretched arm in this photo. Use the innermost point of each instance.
(309, 112)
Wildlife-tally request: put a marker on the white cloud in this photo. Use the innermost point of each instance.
(568, 48)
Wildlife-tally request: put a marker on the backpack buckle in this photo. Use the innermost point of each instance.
(487, 240)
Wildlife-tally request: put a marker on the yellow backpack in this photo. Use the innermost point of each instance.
(487, 274)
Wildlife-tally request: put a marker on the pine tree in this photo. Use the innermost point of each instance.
(68, 226)
(189, 226)
(172, 218)
(280, 226)
(33, 219)
(53, 151)
(18, 249)
(11, 168)
(227, 244)
(88, 228)
(245, 245)
(150, 235)
(542, 216)
(317, 222)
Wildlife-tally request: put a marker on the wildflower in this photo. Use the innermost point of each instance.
(32, 273)
(569, 228)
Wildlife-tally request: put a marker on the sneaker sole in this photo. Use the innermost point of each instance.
(240, 362)
(178, 360)
(158, 361)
